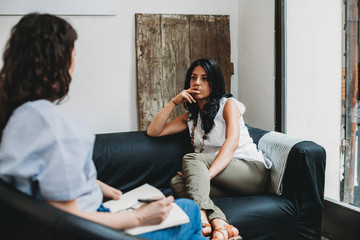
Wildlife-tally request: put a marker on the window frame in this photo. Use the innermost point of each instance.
(280, 65)
(340, 220)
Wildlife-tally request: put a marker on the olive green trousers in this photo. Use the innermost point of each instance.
(239, 178)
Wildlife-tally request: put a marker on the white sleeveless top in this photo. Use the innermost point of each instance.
(246, 150)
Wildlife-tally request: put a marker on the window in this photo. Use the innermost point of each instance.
(350, 154)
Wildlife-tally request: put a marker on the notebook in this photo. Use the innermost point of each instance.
(129, 201)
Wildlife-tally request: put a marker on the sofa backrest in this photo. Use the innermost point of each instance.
(129, 159)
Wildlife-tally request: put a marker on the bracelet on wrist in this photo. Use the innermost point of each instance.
(173, 102)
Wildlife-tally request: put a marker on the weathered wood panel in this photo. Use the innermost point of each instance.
(210, 38)
(148, 67)
(165, 47)
(176, 57)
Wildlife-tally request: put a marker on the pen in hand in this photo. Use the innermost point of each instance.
(148, 200)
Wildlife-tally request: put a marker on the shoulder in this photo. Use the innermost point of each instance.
(232, 102)
(45, 116)
(43, 109)
(231, 110)
(37, 106)
(39, 112)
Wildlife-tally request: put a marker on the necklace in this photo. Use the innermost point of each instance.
(192, 137)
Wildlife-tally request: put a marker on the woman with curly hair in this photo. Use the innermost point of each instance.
(47, 153)
(225, 161)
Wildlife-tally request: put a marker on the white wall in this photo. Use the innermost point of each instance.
(314, 78)
(103, 91)
(256, 68)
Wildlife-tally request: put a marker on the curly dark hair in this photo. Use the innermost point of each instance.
(217, 91)
(36, 59)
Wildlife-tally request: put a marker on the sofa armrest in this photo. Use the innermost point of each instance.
(127, 160)
(303, 184)
(23, 217)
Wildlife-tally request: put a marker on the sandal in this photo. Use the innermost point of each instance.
(206, 225)
(230, 231)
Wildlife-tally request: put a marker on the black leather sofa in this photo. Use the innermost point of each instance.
(129, 159)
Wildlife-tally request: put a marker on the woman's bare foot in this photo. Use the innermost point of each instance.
(224, 231)
(206, 226)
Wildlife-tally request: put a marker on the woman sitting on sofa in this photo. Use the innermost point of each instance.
(47, 153)
(226, 162)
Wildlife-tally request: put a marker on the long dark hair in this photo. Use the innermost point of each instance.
(217, 91)
(36, 59)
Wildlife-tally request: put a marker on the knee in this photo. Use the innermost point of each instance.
(177, 185)
(197, 159)
(176, 180)
(191, 157)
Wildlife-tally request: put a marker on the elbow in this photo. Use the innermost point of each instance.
(233, 144)
(151, 133)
